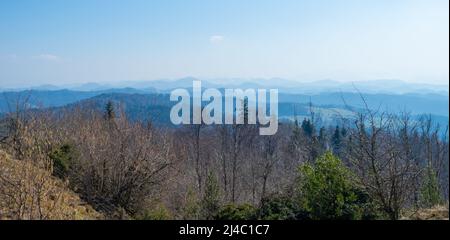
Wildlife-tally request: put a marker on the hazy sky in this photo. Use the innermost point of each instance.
(57, 42)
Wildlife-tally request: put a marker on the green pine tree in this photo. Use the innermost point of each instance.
(110, 111)
(191, 206)
(308, 127)
(430, 194)
(62, 158)
(327, 190)
(210, 203)
(336, 141)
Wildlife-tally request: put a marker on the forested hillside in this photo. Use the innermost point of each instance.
(147, 105)
(376, 165)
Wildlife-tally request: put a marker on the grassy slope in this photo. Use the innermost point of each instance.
(27, 192)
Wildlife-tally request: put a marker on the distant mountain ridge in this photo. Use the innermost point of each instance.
(156, 108)
(284, 86)
(413, 103)
(52, 98)
(149, 100)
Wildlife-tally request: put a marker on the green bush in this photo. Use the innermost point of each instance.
(327, 190)
(237, 212)
(278, 208)
(159, 212)
(191, 207)
(62, 158)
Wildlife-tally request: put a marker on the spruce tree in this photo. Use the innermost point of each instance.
(327, 190)
(191, 206)
(430, 194)
(336, 141)
(211, 199)
(323, 139)
(308, 127)
(109, 111)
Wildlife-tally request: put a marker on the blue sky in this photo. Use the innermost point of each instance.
(74, 41)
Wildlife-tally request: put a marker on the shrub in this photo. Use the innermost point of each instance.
(190, 209)
(62, 158)
(327, 190)
(237, 212)
(159, 212)
(277, 208)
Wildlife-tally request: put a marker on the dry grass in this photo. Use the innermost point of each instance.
(434, 213)
(28, 192)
